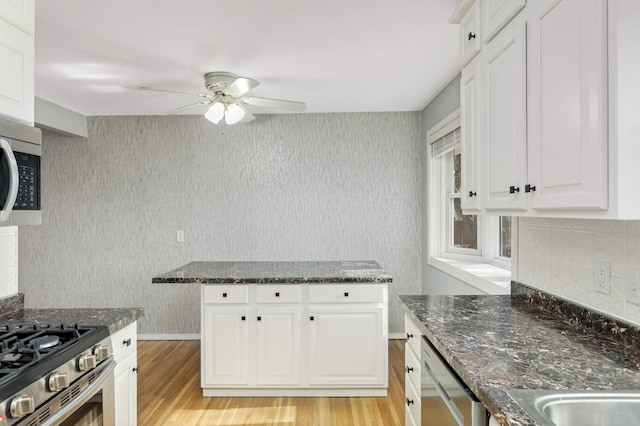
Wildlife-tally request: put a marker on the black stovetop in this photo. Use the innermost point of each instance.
(27, 353)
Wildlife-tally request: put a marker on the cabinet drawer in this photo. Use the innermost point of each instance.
(470, 33)
(412, 401)
(412, 367)
(225, 293)
(355, 293)
(278, 294)
(413, 335)
(124, 342)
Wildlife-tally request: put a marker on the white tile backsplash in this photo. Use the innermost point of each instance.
(557, 255)
(8, 261)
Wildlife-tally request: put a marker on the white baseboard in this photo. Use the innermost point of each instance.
(397, 336)
(169, 336)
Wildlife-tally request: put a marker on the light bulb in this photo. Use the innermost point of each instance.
(234, 114)
(215, 113)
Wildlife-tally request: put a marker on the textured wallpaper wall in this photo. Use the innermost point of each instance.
(557, 255)
(284, 187)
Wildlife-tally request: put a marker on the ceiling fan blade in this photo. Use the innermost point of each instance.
(186, 107)
(154, 89)
(240, 86)
(247, 115)
(275, 103)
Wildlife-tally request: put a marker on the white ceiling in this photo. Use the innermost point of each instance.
(335, 55)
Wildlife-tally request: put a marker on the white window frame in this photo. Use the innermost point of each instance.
(482, 268)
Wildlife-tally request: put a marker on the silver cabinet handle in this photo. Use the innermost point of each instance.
(14, 180)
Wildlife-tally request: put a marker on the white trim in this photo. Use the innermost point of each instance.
(271, 391)
(483, 276)
(444, 127)
(397, 336)
(169, 336)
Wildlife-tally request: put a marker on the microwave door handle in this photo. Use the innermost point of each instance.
(13, 180)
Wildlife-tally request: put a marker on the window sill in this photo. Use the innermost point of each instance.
(483, 276)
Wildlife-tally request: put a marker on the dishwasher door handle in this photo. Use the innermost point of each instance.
(455, 412)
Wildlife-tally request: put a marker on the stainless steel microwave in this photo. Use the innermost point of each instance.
(20, 196)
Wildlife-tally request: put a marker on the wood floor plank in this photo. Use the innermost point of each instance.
(169, 394)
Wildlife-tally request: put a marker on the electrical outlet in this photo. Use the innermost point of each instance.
(633, 285)
(180, 236)
(601, 277)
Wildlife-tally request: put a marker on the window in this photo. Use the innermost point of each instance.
(453, 233)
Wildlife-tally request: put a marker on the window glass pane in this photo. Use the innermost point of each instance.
(465, 227)
(505, 236)
(457, 174)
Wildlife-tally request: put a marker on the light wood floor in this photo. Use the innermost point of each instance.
(169, 394)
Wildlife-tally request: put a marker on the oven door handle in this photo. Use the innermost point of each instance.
(87, 393)
(14, 180)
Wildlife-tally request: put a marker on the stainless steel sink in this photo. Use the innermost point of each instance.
(580, 408)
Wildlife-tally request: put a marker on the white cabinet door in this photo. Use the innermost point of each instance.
(224, 345)
(470, 121)
(125, 354)
(567, 104)
(470, 33)
(126, 385)
(346, 345)
(20, 13)
(16, 73)
(505, 166)
(278, 346)
(497, 13)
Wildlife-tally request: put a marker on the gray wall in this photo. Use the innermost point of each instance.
(435, 281)
(284, 187)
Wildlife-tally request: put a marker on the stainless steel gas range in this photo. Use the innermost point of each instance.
(56, 375)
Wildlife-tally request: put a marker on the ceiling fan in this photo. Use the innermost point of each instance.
(227, 98)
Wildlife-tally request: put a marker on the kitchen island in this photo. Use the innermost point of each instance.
(291, 328)
(529, 340)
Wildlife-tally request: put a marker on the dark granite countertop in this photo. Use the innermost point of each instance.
(527, 340)
(12, 312)
(364, 271)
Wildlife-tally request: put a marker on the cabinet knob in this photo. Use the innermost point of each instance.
(409, 369)
(346, 294)
(409, 336)
(259, 318)
(311, 318)
(243, 318)
(409, 402)
(513, 189)
(471, 35)
(277, 294)
(472, 194)
(529, 188)
(224, 294)
(127, 342)
(136, 370)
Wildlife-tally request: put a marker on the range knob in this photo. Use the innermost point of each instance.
(21, 406)
(87, 362)
(101, 352)
(57, 381)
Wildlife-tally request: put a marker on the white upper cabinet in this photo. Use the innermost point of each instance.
(497, 13)
(505, 111)
(470, 33)
(17, 60)
(559, 97)
(470, 129)
(19, 13)
(567, 104)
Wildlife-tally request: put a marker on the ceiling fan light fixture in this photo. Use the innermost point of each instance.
(215, 113)
(234, 114)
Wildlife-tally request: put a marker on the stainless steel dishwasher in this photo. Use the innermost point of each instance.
(445, 399)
